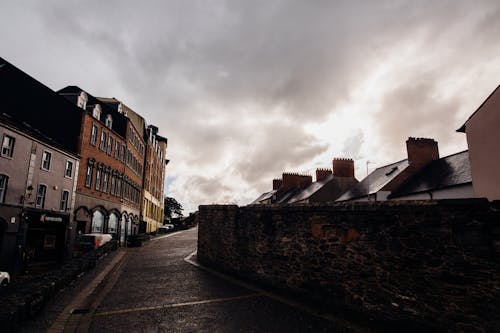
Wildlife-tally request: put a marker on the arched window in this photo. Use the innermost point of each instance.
(97, 222)
(113, 224)
(109, 121)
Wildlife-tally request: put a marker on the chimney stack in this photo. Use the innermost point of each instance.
(322, 174)
(294, 180)
(343, 167)
(421, 151)
(277, 184)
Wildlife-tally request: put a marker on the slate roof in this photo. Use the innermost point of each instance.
(264, 196)
(311, 189)
(452, 170)
(119, 120)
(375, 181)
(30, 103)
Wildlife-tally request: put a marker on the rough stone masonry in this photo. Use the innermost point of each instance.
(418, 265)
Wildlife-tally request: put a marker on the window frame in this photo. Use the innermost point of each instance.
(3, 187)
(68, 162)
(110, 145)
(49, 154)
(10, 148)
(93, 136)
(105, 181)
(98, 178)
(103, 143)
(66, 202)
(41, 197)
(88, 176)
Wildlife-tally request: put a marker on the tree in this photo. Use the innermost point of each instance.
(172, 208)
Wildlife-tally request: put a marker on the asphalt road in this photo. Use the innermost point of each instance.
(154, 289)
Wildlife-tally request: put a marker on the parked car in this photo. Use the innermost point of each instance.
(166, 228)
(4, 279)
(87, 242)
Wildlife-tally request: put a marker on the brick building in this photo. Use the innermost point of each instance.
(109, 185)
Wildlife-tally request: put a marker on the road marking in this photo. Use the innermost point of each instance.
(169, 235)
(343, 323)
(176, 305)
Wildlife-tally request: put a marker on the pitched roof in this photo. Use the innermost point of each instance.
(462, 128)
(264, 196)
(375, 181)
(119, 120)
(452, 170)
(311, 189)
(29, 102)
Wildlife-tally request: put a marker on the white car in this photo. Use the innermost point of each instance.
(4, 279)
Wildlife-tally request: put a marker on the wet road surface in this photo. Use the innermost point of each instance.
(154, 289)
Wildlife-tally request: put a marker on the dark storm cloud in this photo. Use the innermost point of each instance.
(231, 83)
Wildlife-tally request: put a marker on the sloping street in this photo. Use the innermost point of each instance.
(154, 289)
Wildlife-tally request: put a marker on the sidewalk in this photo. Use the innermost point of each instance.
(56, 307)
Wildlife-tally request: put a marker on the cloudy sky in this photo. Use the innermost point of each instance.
(247, 89)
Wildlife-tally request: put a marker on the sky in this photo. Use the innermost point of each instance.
(245, 90)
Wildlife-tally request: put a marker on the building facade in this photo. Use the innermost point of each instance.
(37, 195)
(154, 178)
(107, 197)
(483, 138)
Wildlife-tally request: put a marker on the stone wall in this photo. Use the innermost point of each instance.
(418, 266)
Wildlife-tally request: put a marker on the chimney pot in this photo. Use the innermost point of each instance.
(421, 151)
(322, 174)
(343, 167)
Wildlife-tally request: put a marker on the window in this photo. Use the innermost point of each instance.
(109, 121)
(102, 145)
(93, 135)
(110, 145)
(98, 179)
(46, 160)
(64, 201)
(118, 187)
(122, 154)
(8, 146)
(4, 180)
(40, 196)
(96, 113)
(113, 184)
(88, 176)
(97, 222)
(69, 169)
(82, 100)
(112, 224)
(117, 150)
(105, 182)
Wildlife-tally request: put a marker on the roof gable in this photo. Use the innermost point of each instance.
(462, 128)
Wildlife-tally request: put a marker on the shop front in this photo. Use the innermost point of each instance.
(45, 240)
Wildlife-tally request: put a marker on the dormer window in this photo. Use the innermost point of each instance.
(96, 113)
(82, 100)
(109, 121)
